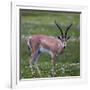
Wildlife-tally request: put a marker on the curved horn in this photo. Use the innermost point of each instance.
(67, 29)
(59, 28)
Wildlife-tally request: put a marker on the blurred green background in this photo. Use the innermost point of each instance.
(42, 22)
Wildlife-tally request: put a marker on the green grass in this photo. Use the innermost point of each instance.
(42, 22)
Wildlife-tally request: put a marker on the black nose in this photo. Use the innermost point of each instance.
(64, 47)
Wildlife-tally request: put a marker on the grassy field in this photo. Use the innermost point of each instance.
(42, 22)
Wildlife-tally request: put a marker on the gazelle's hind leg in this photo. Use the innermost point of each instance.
(36, 65)
(31, 65)
(33, 62)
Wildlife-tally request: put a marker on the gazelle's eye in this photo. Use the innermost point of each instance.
(59, 37)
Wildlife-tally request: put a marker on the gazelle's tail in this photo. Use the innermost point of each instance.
(29, 44)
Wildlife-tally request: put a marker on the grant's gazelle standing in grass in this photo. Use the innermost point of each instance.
(38, 44)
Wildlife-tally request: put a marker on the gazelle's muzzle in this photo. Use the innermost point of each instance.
(64, 47)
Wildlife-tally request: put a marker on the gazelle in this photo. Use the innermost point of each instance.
(38, 44)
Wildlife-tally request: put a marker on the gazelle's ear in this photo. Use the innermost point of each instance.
(68, 37)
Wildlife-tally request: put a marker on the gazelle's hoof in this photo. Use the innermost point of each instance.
(30, 66)
(33, 73)
(53, 73)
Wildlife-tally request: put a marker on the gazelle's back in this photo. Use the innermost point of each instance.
(46, 42)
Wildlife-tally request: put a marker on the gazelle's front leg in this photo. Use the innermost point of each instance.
(53, 62)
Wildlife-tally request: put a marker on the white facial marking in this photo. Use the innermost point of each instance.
(64, 44)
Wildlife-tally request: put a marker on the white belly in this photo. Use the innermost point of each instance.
(45, 50)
